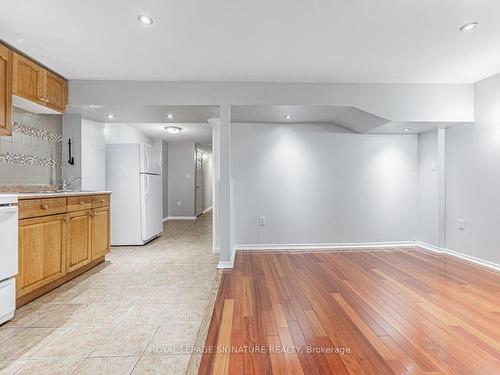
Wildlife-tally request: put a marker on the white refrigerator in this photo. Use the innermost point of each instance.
(133, 175)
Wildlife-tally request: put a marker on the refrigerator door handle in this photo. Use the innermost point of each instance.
(146, 160)
(147, 186)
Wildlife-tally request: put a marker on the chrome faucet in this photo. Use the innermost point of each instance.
(67, 182)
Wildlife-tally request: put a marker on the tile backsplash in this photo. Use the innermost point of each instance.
(33, 154)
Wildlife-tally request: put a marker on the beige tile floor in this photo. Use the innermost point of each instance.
(134, 314)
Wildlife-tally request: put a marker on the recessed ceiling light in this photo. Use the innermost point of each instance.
(110, 116)
(406, 130)
(170, 116)
(145, 20)
(288, 117)
(173, 129)
(468, 27)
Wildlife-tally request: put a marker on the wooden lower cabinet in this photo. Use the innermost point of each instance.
(42, 252)
(79, 239)
(100, 232)
(60, 243)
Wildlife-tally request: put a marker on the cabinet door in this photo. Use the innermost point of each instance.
(42, 252)
(79, 240)
(56, 92)
(5, 90)
(100, 232)
(28, 79)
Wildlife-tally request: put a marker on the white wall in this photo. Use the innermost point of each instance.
(207, 180)
(72, 129)
(181, 179)
(123, 133)
(395, 102)
(94, 155)
(164, 179)
(88, 149)
(428, 187)
(473, 177)
(320, 184)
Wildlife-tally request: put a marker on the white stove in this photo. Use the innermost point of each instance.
(8, 256)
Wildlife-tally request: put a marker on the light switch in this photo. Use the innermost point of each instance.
(262, 221)
(461, 224)
(179, 203)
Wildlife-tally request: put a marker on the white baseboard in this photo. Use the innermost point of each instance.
(207, 210)
(468, 258)
(367, 246)
(227, 264)
(165, 219)
(181, 218)
(324, 246)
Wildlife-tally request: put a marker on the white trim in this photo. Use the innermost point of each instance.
(165, 219)
(227, 264)
(324, 246)
(468, 258)
(181, 218)
(427, 246)
(206, 210)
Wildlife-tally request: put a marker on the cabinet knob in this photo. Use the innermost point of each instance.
(82, 203)
(44, 206)
(103, 200)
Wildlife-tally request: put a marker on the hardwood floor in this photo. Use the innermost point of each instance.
(390, 312)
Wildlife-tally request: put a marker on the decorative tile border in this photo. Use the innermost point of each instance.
(37, 133)
(23, 159)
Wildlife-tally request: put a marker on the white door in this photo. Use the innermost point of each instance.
(151, 206)
(150, 160)
(199, 182)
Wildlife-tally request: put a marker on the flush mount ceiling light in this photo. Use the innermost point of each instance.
(287, 117)
(406, 130)
(173, 129)
(145, 19)
(170, 116)
(109, 116)
(468, 27)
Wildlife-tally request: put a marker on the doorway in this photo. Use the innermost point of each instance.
(199, 182)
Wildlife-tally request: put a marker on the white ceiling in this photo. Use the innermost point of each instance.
(257, 40)
(349, 118)
(200, 133)
(146, 113)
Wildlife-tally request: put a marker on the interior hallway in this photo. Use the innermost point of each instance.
(131, 314)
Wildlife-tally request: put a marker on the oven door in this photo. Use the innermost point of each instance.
(8, 238)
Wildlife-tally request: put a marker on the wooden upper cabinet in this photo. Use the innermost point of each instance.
(56, 92)
(35, 83)
(5, 90)
(28, 79)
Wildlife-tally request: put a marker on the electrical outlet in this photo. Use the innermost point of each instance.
(179, 203)
(461, 224)
(262, 221)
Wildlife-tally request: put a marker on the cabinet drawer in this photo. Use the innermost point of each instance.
(79, 203)
(41, 207)
(100, 201)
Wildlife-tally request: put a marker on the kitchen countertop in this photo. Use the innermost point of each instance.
(62, 194)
